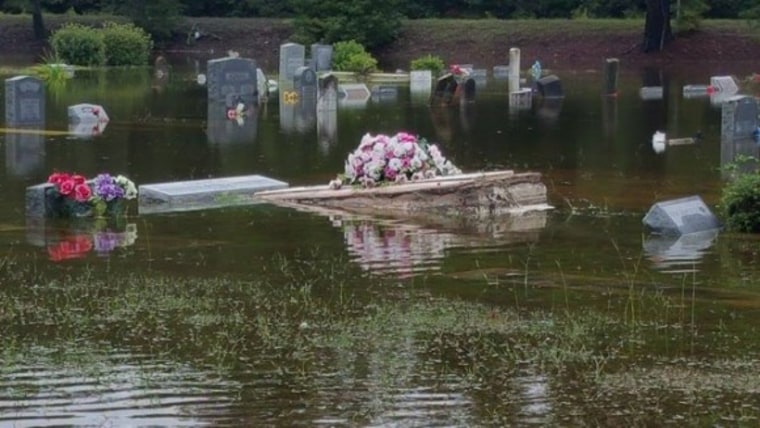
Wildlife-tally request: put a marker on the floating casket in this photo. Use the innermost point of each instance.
(479, 196)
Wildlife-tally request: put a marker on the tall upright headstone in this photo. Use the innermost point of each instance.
(738, 117)
(321, 57)
(611, 70)
(514, 70)
(327, 111)
(292, 57)
(305, 85)
(231, 80)
(24, 110)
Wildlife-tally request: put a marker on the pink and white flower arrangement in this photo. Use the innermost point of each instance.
(393, 159)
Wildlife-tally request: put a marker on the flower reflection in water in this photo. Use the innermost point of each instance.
(99, 237)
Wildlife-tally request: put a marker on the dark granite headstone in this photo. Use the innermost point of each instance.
(305, 85)
(321, 57)
(468, 90)
(680, 216)
(480, 75)
(24, 102)
(292, 57)
(232, 80)
(738, 117)
(550, 87)
(445, 89)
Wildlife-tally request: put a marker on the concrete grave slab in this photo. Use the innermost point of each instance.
(203, 194)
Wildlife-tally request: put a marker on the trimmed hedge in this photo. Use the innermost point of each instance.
(126, 44)
(351, 56)
(79, 45)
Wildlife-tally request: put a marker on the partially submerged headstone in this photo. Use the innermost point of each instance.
(650, 93)
(550, 87)
(87, 113)
(611, 69)
(468, 91)
(224, 127)
(738, 117)
(327, 111)
(480, 75)
(203, 194)
(24, 110)
(232, 80)
(262, 86)
(445, 90)
(695, 91)
(353, 94)
(521, 100)
(513, 84)
(421, 82)
(680, 216)
(725, 85)
(501, 72)
(384, 93)
(292, 57)
(321, 57)
(24, 101)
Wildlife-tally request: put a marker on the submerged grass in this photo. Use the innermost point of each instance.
(309, 319)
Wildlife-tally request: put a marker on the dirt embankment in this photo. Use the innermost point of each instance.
(561, 45)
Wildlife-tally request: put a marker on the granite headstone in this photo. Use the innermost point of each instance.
(24, 110)
(550, 87)
(292, 57)
(738, 117)
(203, 194)
(221, 128)
(321, 57)
(231, 80)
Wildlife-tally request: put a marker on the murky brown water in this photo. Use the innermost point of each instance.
(261, 315)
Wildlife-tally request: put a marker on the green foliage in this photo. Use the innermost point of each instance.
(126, 44)
(740, 203)
(51, 71)
(78, 45)
(428, 62)
(160, 18)
(371, 23)
(351, 56)
(690, 16)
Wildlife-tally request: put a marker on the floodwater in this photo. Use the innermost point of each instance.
(267, 316)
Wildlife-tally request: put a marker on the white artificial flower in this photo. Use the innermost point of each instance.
(395, 164)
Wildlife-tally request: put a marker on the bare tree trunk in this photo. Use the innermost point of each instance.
(657, 31)
(37, 24)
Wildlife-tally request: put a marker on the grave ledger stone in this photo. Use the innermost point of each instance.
(203, 194)
(232, 80)
(680, 216)
(292, 57)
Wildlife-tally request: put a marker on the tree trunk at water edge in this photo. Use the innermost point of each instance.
(657, 30)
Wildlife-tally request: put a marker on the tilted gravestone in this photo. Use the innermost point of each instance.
(327, 93)
(738, 117)
(24, 108)
(232, 80)
(550, 87)
(445, 90)
(321, 57)
(468, 91)
(680, 216)
(292, 57)
(24, 102)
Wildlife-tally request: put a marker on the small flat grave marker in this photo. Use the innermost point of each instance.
(353, 94)
(680, 216)
(203, 194)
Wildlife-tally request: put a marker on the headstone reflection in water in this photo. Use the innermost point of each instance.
(327, 111)
(680, 216)
(679, 254)
(24, 110)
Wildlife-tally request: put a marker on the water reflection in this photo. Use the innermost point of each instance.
(406, 247)
(679, 254)
(75, 387)
(80, 238)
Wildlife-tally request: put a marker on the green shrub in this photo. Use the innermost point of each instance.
(126, 44)
(740, 203)
(429, 62)
(351, 56)
(78, 45)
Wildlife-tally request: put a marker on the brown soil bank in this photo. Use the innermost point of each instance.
(561, 44)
